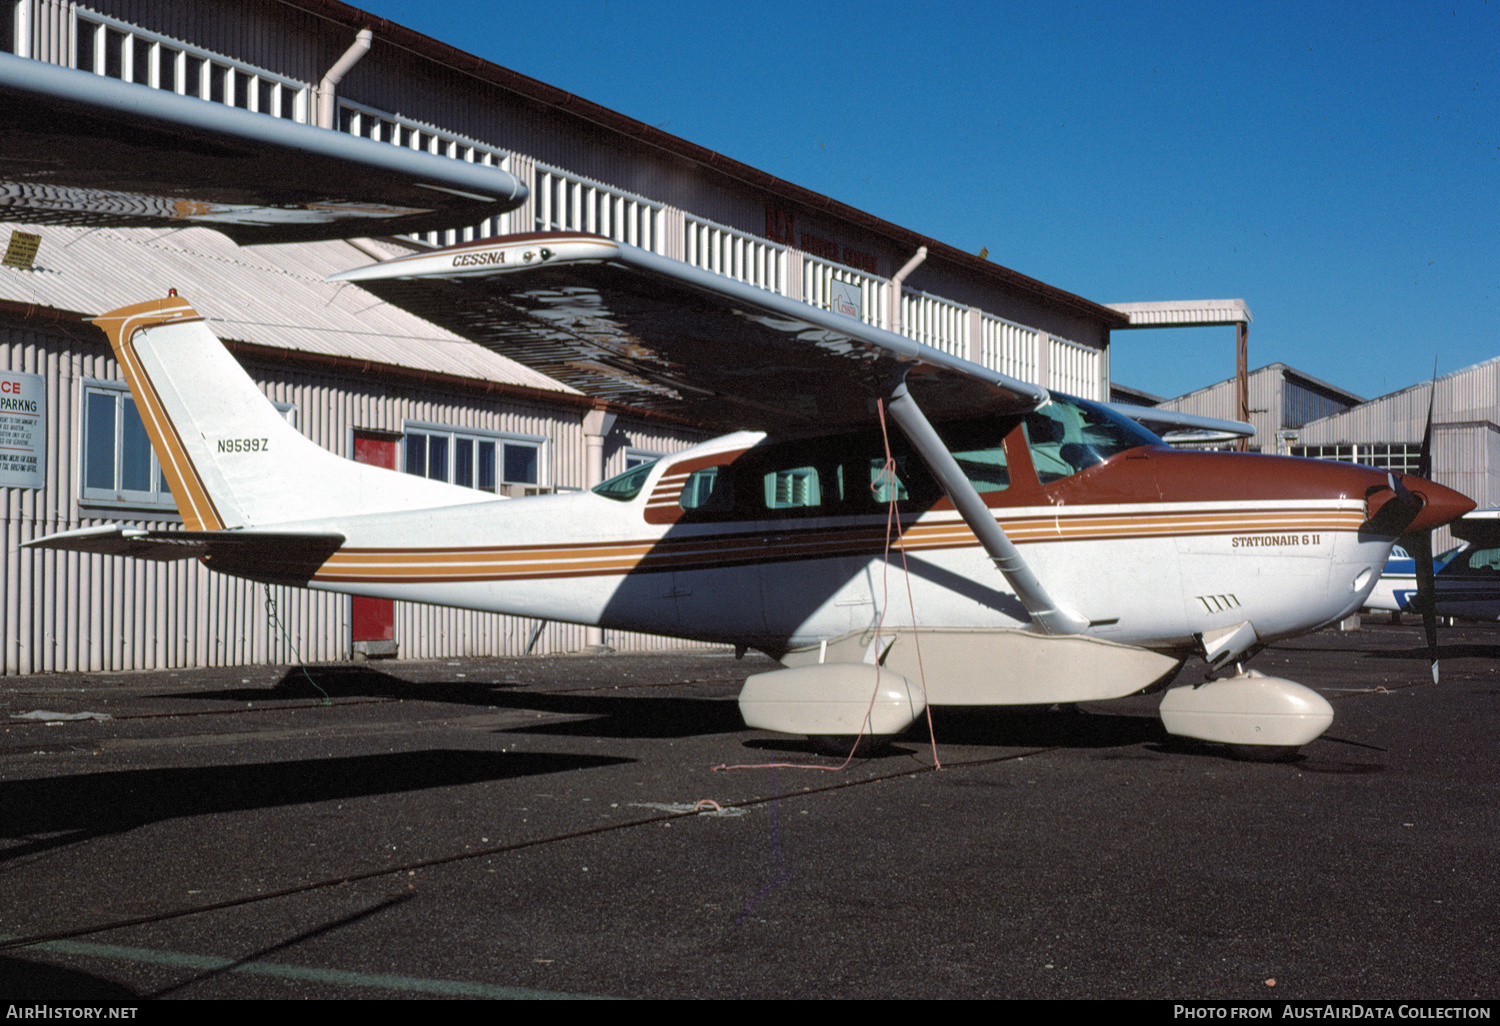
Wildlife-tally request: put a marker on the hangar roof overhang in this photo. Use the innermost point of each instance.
(395, 34)
(1183, 313)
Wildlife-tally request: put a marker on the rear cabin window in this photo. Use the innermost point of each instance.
(626, 486)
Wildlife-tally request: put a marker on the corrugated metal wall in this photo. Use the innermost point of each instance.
(1301, 404)
(1465, 438)
(66, 611)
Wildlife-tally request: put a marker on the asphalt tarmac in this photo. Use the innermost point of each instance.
(527, 828)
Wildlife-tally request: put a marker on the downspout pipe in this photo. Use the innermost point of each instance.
(896, 280)
(326, 107)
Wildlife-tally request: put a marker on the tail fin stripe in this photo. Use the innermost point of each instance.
(182, 476)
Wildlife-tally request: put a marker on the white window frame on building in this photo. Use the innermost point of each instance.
(1399, 456)
(453, 442)
(125, 459)
(640, 457)
(158, 497)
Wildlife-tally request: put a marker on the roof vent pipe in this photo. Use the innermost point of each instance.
(326, 108)
(896, 280)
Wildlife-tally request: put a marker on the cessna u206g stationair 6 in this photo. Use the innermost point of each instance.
(1054, 551)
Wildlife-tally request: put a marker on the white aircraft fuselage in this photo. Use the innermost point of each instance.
(1146, 554)
(1151, 574)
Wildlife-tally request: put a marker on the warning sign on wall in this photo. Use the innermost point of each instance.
(23, 430)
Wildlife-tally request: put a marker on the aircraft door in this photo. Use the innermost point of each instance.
(717, 589)
(807, 573)
(372, 621)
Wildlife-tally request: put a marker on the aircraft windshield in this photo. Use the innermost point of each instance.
(626, 486)
(1068, 435)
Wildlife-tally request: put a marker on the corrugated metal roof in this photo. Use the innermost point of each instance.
(1469, 394)
(268, 295)
(1186, 313)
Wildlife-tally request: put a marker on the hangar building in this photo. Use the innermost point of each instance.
(1282, 399)
(372, 383)
(1295, 414)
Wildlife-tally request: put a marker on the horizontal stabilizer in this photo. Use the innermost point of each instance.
(275, 557)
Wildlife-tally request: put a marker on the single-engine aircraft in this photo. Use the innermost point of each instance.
(1053, 551)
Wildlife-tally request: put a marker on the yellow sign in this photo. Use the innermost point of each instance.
(22, 250)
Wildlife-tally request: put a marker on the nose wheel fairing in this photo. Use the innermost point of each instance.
(1247, 709)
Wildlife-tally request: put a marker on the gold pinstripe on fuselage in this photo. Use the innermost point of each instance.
(786, 542)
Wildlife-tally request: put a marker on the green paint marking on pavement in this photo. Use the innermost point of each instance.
(415, 984)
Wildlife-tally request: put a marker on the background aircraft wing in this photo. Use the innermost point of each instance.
(626, 325)
(82, 149)
(1175, 426)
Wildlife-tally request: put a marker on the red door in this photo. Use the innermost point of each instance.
(373, 621)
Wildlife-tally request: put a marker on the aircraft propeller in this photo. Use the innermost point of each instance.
(1418, 544)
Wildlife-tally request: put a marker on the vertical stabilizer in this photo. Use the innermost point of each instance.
(229, 457)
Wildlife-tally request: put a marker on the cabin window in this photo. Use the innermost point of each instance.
(795, 488)
(887, 485)
(1070, 435)
(1476, 562)
(710, 490)
(118, 466)
(626, 486)
(986, 468)
(486, 461)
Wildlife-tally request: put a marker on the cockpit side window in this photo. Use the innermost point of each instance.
(1477, 563)
(1069, 435)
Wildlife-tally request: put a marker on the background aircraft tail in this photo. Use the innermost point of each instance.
(229, 457)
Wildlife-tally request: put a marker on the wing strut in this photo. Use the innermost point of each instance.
(1046, 614)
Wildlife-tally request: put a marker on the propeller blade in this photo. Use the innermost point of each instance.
(1419, 547)
(1424, 457)
(1419, 544)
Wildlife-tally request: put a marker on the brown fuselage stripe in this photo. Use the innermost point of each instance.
(745, 548)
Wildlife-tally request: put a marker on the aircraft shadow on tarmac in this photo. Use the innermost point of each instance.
(1457, 651)
(21, 980)
(630, 715)
(633, 715)
(317, 682)
(72, 808)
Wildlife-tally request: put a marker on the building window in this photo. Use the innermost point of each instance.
(487, 461)
(640, 457)
(1401, 457)
(118, 466)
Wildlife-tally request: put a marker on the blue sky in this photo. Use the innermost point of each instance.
(1338, 167)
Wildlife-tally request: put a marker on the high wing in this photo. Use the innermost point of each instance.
(84, 149)
(626, 325)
